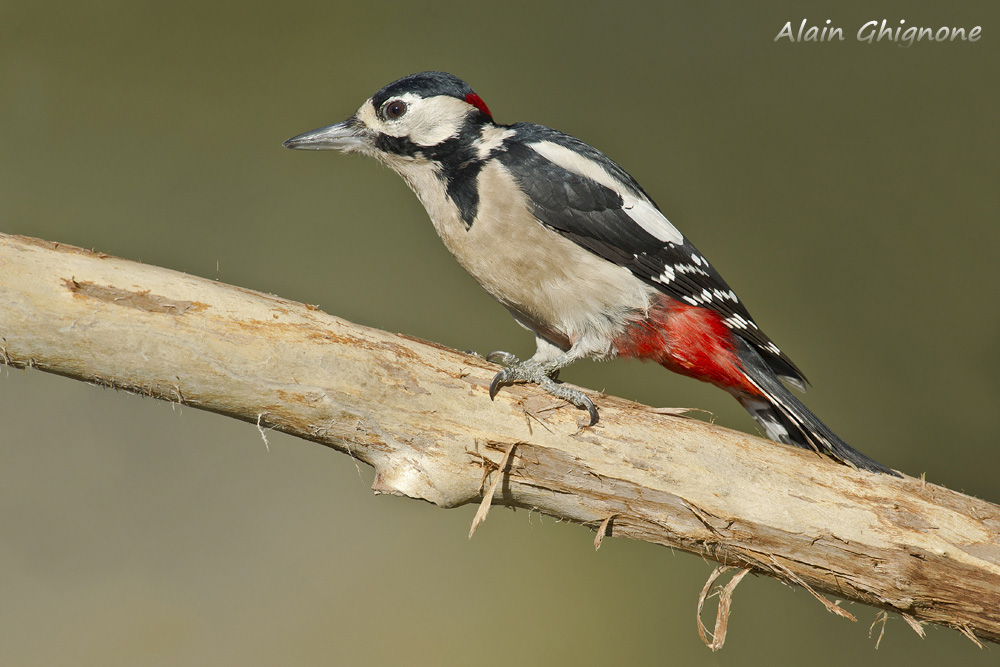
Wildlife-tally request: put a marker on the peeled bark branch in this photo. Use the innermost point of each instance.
(420, 415)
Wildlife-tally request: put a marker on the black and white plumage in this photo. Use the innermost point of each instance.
(576, 250)
(611, 215)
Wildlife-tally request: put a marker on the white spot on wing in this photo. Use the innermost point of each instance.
(689, 268)
(641, 210)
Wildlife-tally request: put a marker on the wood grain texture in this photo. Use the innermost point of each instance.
(420, 414)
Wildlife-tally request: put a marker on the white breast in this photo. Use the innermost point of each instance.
(550, 284)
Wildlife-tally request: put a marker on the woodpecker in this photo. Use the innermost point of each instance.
(576, 251)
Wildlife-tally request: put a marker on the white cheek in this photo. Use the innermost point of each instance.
(431, 133)
(433, 120)
(427, 122)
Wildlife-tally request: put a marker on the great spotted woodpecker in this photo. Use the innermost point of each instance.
(577, 252)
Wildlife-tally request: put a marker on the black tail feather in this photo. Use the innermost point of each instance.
(785, 419)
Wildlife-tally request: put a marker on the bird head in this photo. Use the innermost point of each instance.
(423, 116)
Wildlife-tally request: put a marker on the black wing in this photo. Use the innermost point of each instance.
(597, 217)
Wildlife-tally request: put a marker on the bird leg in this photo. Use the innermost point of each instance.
(542, 373)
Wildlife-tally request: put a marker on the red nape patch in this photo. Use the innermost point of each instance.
(688, 340)
(477, 101)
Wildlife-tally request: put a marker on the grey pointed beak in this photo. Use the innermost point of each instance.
(345, 136)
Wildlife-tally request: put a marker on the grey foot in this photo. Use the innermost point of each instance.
(532, 371)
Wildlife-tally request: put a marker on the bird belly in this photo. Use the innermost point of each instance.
(566, 294)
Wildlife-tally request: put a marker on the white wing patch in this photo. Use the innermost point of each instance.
(641, 210)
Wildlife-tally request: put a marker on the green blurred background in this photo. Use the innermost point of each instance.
(848, 192)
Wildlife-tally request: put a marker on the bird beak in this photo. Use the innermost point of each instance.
(345, 136)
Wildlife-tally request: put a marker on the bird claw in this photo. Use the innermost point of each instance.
(498, 381)
(502, 358)
(574, 396)
(591, 409)
(507, 375)
(529, 371)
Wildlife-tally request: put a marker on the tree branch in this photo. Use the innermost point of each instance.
(420, 414)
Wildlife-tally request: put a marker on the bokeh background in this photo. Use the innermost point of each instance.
(849, 193)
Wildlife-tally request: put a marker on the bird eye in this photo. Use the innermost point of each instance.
(395, 109)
